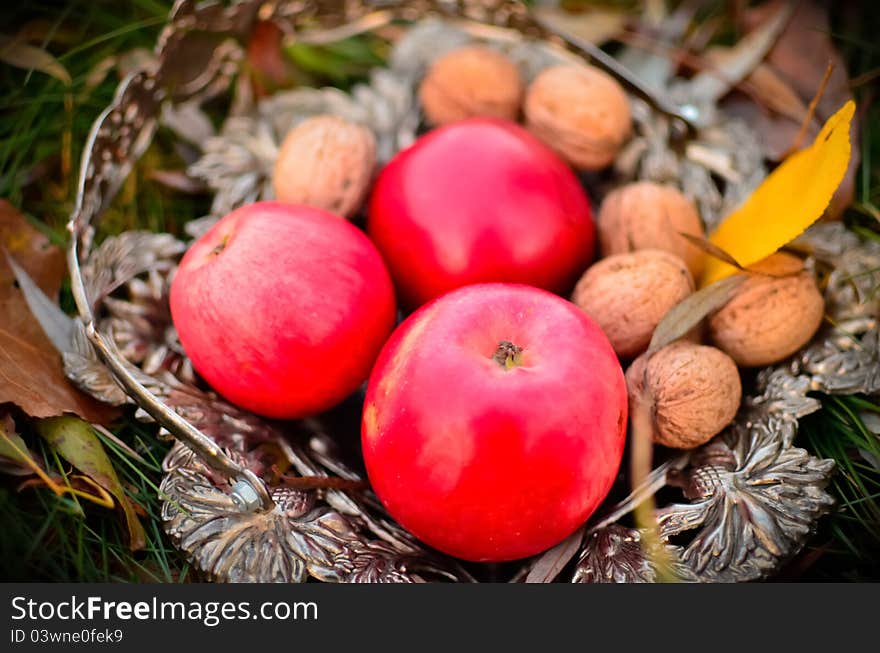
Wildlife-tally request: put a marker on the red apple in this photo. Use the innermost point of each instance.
(477, 201)
(495, 421)
(283, 309)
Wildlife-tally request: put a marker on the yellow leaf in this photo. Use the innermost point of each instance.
(792, 198)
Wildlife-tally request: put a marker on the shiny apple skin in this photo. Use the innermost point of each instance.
(282, 308)
(483, 462)
(480, 200)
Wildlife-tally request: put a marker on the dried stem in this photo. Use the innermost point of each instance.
(322, 483)
(641, 432)
(811, 110)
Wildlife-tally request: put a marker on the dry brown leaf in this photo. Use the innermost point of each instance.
(775, 94)
(31, 372)
(692, 310)
(15, 51)
(596, 25)
(41, 30)
(802, 53)
(799, 60)
(730, 65)
(266, 61)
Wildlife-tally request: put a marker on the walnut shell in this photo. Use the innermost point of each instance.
(769, 318)
(695, 390)
(628, 295)
(581, 112)
(645, 215)
(469, 82)
(326, 162)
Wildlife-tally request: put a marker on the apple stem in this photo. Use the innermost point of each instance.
(508, 355)
(221, 246)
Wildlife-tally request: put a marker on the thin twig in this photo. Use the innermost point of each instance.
(811, 110)
(119, 443)
(322, 483)
(864, 78)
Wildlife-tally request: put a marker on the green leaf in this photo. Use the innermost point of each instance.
(16, 52)
(75, 441)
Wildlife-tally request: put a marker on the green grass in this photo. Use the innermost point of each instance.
(45, 537)
(52, 538)
(43, 125)
(847, 543)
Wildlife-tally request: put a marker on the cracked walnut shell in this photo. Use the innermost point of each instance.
(326, 162)
(581, 112)
(471, 82)
(628, 295)
(646, 215)
(769, 317)
(695, 391)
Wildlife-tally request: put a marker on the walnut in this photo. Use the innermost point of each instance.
(645, 215)
(326, 162)
(580, 112)
(769, 318)
(471, 82)
(695, 391)
(628, 295)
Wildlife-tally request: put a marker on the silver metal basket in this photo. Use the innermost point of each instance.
(749, 499)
